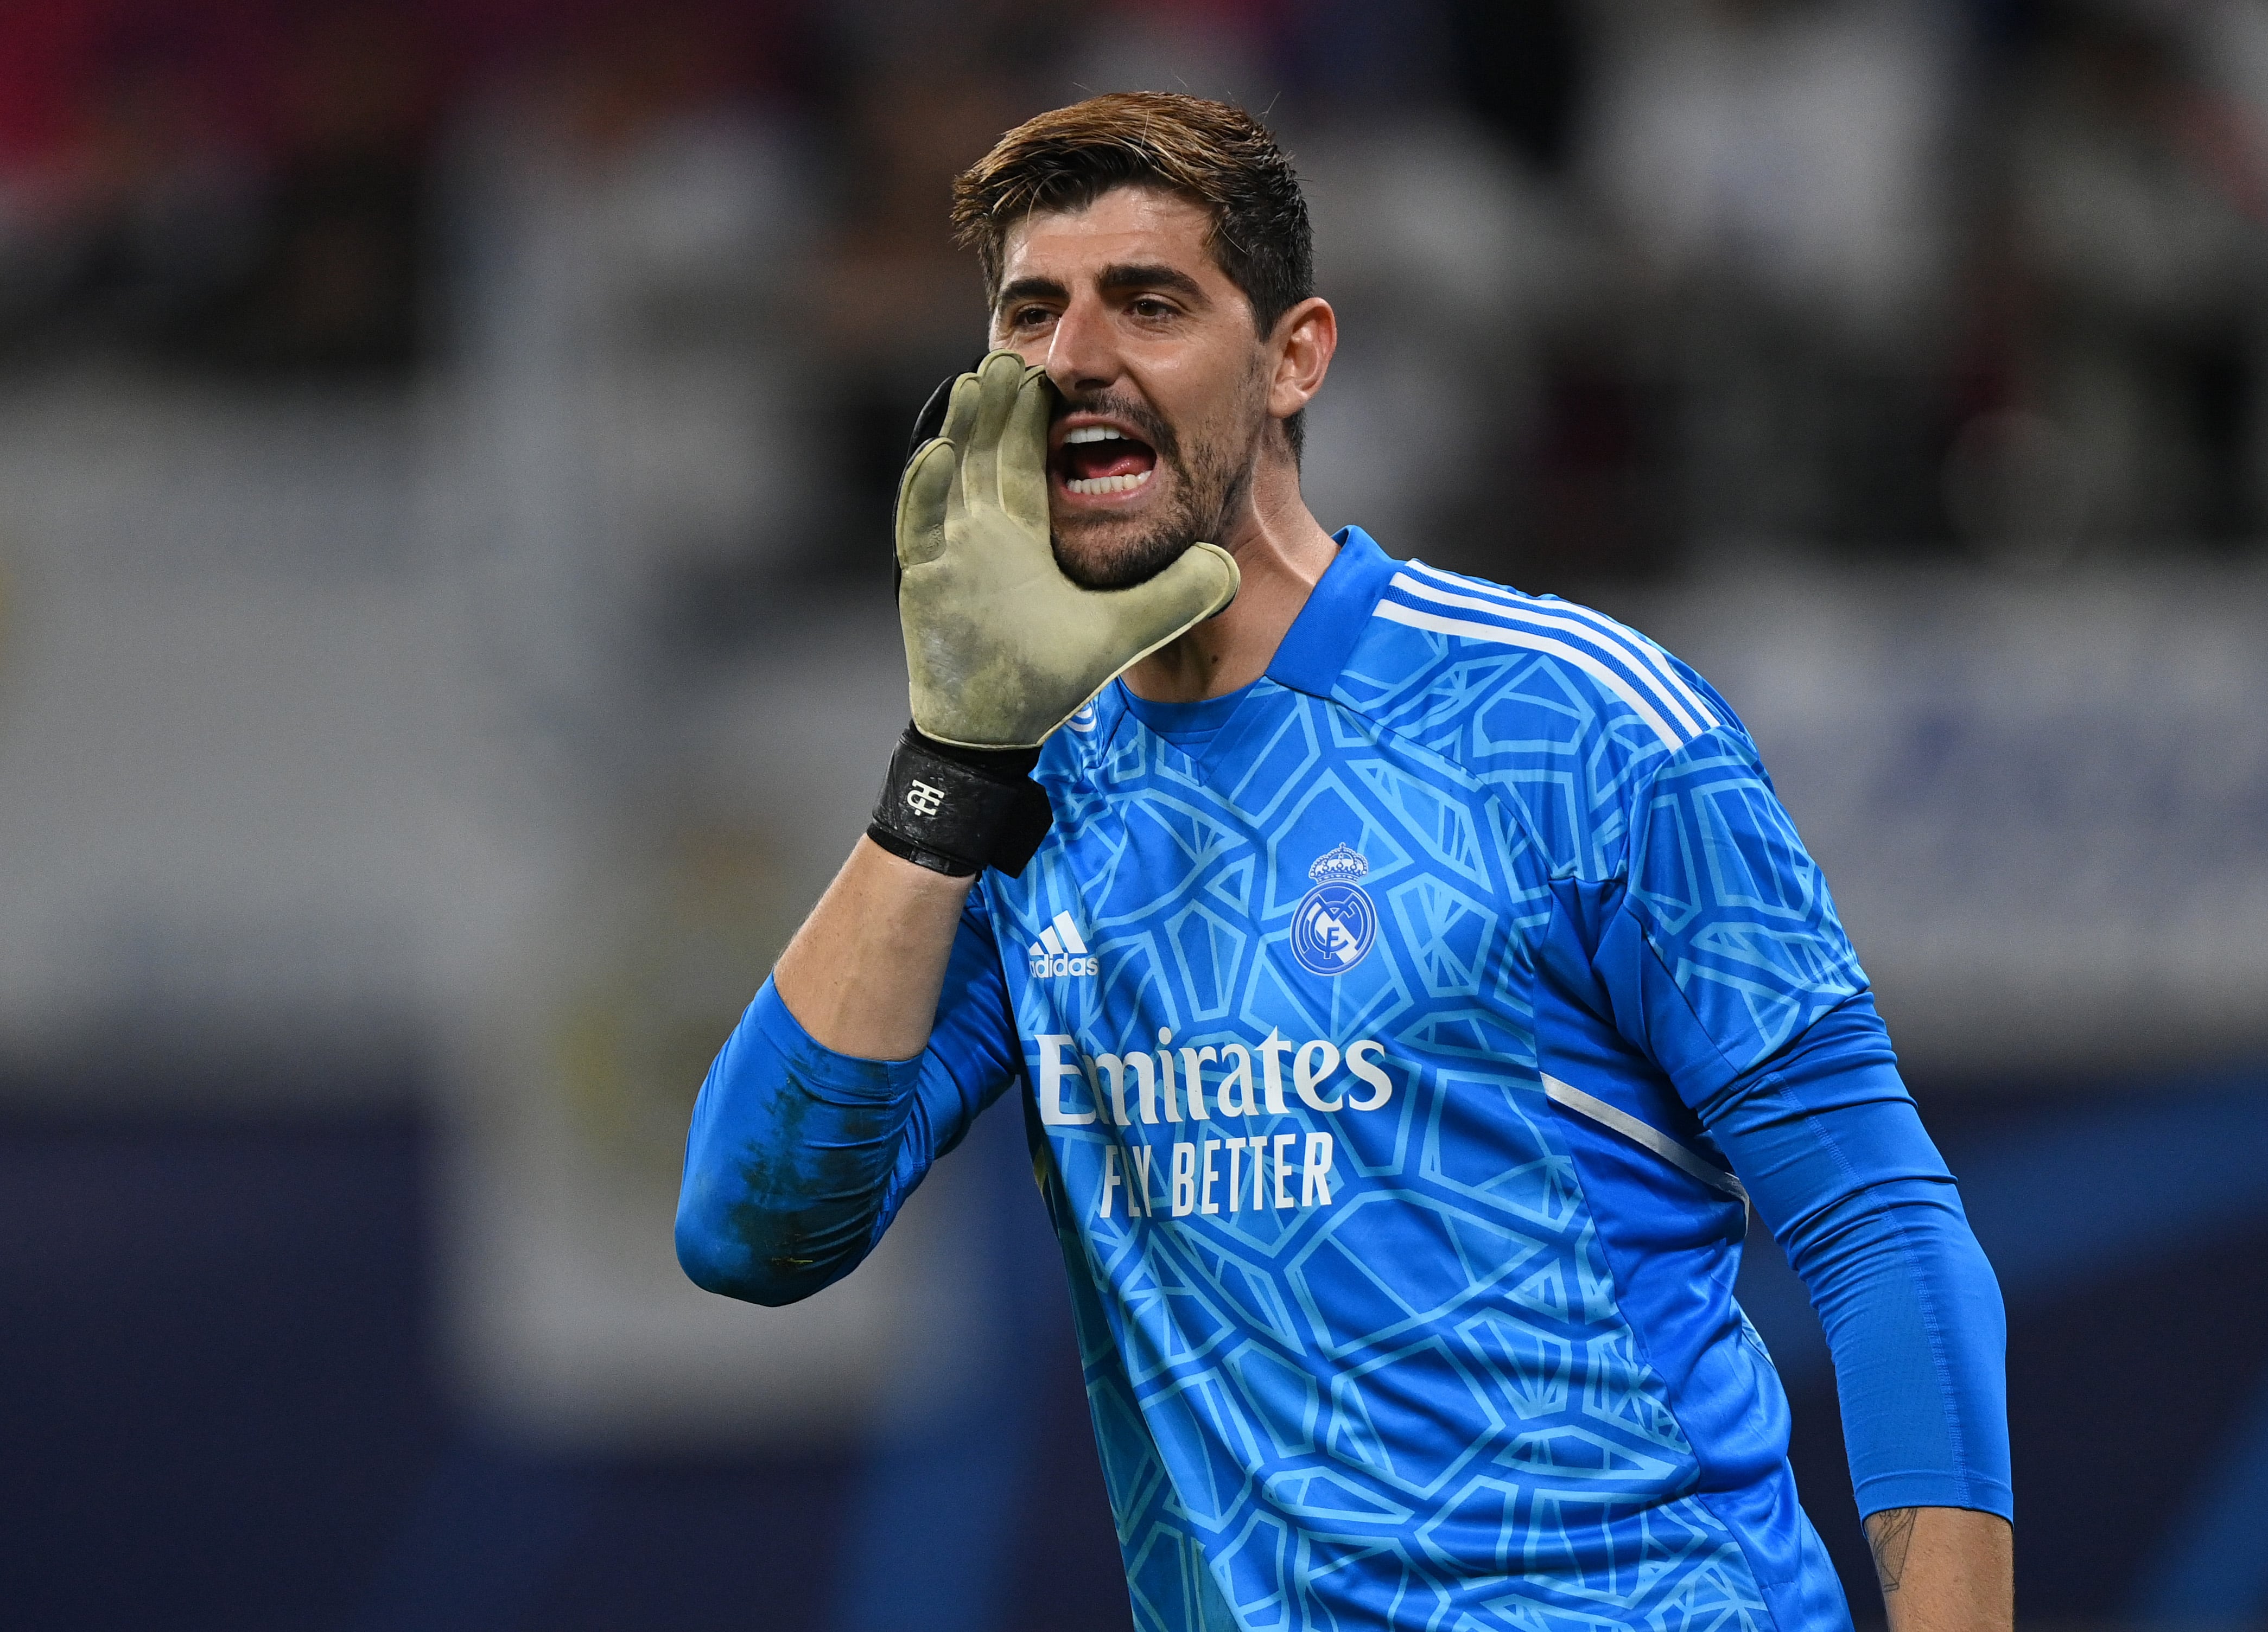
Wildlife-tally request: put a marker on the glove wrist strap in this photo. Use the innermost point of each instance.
(957, 811)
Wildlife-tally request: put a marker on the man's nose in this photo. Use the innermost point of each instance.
(1083, 350)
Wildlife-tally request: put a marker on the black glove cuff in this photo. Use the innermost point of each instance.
(957, 811)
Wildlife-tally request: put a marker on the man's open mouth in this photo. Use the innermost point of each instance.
(1101, 459)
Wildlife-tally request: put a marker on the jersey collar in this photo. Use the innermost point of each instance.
(1317, 646)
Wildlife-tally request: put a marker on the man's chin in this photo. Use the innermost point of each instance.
(1113, 558)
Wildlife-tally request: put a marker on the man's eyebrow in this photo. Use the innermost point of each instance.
(1028, 288)
(1148, 276)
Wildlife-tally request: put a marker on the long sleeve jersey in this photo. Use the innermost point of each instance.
(1404, 1043)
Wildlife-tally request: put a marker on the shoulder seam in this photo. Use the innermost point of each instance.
(1627, 664)
(1658, 665)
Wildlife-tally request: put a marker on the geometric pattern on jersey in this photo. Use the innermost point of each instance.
(1354, 1352)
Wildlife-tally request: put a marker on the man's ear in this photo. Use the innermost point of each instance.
(1300, 348)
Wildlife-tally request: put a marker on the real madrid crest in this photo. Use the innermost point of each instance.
(1336, 921)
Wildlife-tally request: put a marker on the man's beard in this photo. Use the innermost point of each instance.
(1209, 487)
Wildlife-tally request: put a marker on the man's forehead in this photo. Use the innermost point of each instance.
(1125, 225)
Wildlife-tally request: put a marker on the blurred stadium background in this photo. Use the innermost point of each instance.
(446, 641)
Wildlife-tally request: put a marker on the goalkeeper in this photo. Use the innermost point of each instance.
(1408, 985)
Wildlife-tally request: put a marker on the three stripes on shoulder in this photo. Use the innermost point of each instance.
(1633, 668)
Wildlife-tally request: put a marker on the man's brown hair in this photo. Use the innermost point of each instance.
(1218, 157)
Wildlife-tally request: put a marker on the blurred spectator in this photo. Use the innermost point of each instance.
(1426, 138)
(1454, 267)
(628, 233)
(1522, 69)
(338, 281)
(217, 193)
(2139, 220)
(1778, 168)
(139, 211)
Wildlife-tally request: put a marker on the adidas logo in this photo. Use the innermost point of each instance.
(1060, 952)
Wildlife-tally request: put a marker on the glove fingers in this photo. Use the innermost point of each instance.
(1202, 583)
(1023, 468)
(998, 378)
(961, 411)
(924, 492)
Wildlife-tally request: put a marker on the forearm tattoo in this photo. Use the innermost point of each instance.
(1890, 1534)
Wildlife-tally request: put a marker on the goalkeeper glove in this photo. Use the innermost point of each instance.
(1001, 647)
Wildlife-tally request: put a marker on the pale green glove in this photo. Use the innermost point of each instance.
(1001, 647)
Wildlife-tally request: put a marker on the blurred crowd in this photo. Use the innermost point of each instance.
(1623, 282)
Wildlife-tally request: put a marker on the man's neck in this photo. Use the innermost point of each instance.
(1282, 551)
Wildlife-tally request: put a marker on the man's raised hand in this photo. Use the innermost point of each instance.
(1001, 647)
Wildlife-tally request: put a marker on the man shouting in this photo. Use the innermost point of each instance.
(1410, 985)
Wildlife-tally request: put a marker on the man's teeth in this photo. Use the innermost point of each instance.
(1091, 485)
(1107, 484)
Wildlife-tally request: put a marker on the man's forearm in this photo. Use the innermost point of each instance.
(1944, 1569)
(789, 1160)
(864, 973)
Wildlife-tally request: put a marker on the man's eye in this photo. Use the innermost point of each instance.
(1023, 317)
(1148, 306)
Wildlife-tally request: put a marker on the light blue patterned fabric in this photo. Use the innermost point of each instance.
(1380, 1048)
(1418, 1402)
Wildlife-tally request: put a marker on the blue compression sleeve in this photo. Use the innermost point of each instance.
(799, 1157)
(1833, 1152)
(1727, 965)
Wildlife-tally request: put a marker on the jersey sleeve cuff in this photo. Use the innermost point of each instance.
(1885, 1491)
(820, 1067)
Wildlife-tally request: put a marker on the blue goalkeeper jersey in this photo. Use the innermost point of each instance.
(1383, 1040)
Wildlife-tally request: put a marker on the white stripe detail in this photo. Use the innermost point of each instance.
(1603, 629)
(1620, 654)
(1642, 1133)
(1069, 930)
(1048, 940)
(1036, 950)
(1393, 611)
